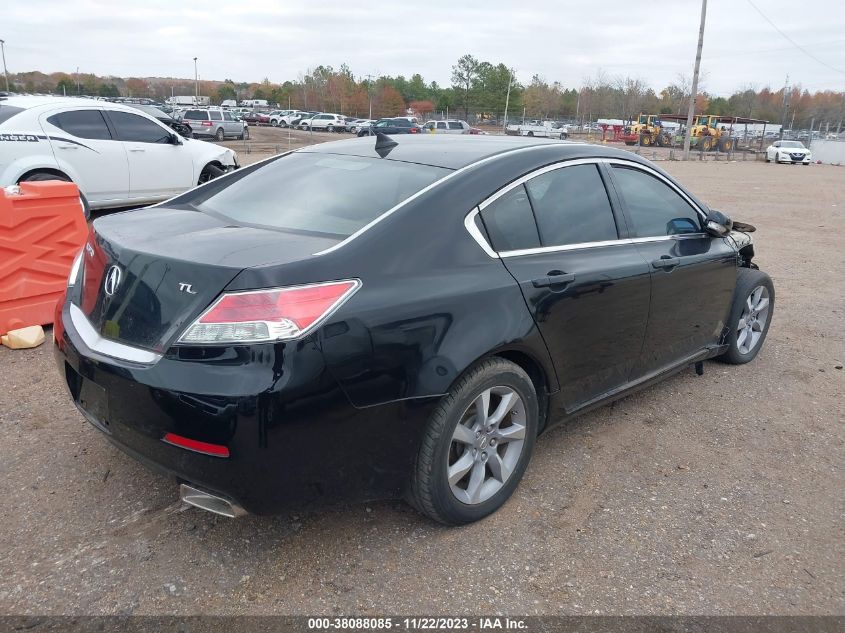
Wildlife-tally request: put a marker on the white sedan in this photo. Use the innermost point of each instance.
(788, 152)
(117, 155)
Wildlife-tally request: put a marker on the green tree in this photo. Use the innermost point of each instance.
(226, 91)
(464, 74)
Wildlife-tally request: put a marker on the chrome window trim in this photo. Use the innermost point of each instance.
(476, 234)
(106, 347)
(469, 221)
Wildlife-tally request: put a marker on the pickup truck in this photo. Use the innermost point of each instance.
(548, 129)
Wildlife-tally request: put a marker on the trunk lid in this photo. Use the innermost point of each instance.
(148, 274)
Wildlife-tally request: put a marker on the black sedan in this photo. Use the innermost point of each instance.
(407, 331)
(391, 126)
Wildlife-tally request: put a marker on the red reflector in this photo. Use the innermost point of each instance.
(302, 306)
(207, 123)
(195, 445)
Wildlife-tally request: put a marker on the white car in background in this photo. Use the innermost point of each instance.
(788, 152)
(324, 121)
(117, 155)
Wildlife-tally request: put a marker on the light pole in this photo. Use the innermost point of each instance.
(77, 81)
(196, 84)
(5, 72)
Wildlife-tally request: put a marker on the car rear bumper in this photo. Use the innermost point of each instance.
(292, 435)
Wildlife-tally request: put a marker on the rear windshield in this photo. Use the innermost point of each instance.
(196, 115)
(7, 112)
(326, 194)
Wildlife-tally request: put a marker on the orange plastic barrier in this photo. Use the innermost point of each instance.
(42, 228)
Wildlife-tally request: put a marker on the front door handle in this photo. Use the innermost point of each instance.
(553, 278)
(666, 262)
(68, 146)
(137, 149)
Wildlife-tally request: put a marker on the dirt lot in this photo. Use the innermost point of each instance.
(704, 495)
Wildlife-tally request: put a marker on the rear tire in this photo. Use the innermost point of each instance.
(487, 451)
(751, 314)
(43, 176)
(221, 135)
(274, 123)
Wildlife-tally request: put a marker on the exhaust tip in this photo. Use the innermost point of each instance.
(211, 503)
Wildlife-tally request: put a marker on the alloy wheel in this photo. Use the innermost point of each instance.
(752, 323)
(486, 445)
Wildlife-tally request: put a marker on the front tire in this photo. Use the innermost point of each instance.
(477, 444)
(751, 314)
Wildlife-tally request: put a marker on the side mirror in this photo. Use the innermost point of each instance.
(175, 140)
(718, 224)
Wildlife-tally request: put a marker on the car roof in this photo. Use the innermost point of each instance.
(459, 150)
(36, 101)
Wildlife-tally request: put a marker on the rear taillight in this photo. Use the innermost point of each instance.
(415, 130)
(207, 123)
(276, 314)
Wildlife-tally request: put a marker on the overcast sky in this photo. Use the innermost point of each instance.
(561, 40)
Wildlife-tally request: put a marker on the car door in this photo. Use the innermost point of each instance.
(216, 118)
(158, 168)
(230, 126)
(84, 147)
(693, 273)
(586, 286)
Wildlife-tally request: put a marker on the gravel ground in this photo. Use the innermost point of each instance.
(719, 494)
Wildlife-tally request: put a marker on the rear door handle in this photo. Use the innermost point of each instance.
(68, 146)
(553, 278)
(136, 149)
(666, 262)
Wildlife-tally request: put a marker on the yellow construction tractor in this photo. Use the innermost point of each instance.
(647, 131)
(706, 134)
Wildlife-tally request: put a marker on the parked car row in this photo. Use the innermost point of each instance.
(118, 155)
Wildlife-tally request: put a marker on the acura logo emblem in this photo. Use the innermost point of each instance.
(112, 280)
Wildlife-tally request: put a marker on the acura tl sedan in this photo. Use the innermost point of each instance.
(408, 331)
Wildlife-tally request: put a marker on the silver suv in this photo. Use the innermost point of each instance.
(217, 124)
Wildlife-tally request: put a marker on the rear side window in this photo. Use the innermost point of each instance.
(137, 129)
(216, 116)
(571, 206)
(196, 115)
(455, 125)
(510, 222)
(7, 112)
(317, 193)
(655, 208)
(82, 124)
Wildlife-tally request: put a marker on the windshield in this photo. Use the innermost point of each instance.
(325, 194)
(792, 144)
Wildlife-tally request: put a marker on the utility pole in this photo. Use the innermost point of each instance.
(196, 84)
(785, 106)
(694, 92)
(77, 81)
(507, 102)
(5, 72)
